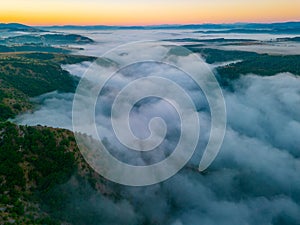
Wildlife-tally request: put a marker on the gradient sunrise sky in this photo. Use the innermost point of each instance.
(146, 12)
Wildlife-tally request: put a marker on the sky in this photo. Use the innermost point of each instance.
(146, 12)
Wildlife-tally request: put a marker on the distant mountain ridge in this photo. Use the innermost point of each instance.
(272, 28)
(284, 27)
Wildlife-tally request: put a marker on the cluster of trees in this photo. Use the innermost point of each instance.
(33, 160)
(5, 112)
(264, 65)
(41, 172)
(217, 55)
(34, 77)
(251, 62)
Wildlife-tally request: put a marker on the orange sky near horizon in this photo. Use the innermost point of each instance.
(143, 12)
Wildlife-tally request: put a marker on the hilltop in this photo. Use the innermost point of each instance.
(13, 27)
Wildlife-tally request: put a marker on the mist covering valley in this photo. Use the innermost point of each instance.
(255, 177)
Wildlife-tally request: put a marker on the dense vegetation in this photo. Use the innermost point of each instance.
(216, 55)
(264, 65)
(34, 162)
(251, 62)
(28, 75)
(34, 77)
(12, 101)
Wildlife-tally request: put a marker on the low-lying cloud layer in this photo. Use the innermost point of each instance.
(54, 109)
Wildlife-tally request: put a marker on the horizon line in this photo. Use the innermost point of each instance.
(155, 25)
